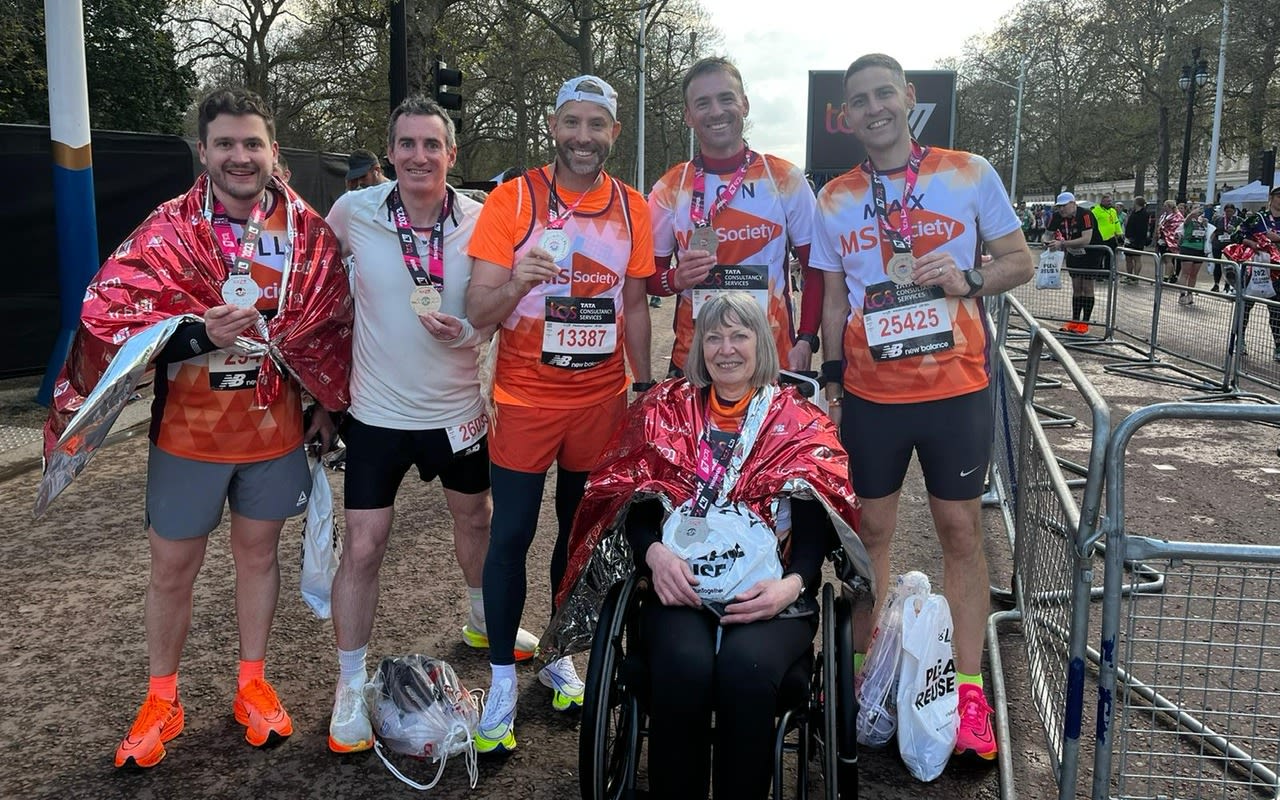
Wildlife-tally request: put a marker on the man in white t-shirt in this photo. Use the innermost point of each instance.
(415, 387)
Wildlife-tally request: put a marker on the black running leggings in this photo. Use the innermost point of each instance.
(517, 499)
(740, 683)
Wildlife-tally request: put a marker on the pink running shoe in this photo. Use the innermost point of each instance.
(975, 734)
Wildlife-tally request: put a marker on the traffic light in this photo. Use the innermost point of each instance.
(1268, 166)
(445, 78)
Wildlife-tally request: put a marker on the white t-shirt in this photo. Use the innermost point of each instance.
(402, 377)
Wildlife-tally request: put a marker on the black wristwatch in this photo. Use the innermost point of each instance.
(975, 279)
(811, 338)
(640, 387)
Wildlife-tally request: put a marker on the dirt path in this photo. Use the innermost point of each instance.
(74, 656)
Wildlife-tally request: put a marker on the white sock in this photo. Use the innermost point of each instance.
(501, 671)
(477, 608)
(351, 668)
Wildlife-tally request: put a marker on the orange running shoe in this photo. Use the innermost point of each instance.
(258, 709)
(158, 721)
(975, 734)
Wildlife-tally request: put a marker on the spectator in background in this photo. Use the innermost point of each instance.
(1195, 229)
(1072, 229)
(1225, 225)
(1168, 235)
(364, 169)
(1027, 219)
(1110, 231)
(1137, 235)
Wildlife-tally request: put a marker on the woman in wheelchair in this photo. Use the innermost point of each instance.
(727, 488)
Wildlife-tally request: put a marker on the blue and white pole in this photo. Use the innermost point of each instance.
(72, 173)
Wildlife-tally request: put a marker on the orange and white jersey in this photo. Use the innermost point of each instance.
(772, 210)
(957, 204)
(203, 406)
(562, 345)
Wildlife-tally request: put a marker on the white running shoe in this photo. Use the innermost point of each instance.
(566, 687)
(497, 730)
(349, 727)
(475, 635)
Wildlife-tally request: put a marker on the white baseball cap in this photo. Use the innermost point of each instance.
(589, 89)
(1065, 197)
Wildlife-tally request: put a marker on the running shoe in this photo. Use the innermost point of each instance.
(349, 728)
(1184, 299)
(563, 681)
(258, 709)
(497, 730)
(158, 721)
(1079, 327)
(975, 734)
(474, 635)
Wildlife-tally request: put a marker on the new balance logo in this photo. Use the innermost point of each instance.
(232, 380)
(893, 350)
(560, 361)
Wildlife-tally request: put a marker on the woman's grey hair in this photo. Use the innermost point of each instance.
(733, 308)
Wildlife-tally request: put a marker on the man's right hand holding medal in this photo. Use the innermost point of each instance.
(534, 268)
(225, 322)
(692, 269)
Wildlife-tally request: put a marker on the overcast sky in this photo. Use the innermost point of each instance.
(776, 43)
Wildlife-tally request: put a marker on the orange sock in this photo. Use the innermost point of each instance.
(165, 686)
(249, 670)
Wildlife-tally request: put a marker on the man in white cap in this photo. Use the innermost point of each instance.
(1071, 229)
(561, 257)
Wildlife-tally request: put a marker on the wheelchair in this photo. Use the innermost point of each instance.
(816, 719)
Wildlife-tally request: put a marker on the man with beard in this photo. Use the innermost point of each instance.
(239, 249)
(908, 340)
(728, 218)
(561, 257)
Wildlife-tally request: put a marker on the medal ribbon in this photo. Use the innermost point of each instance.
(239, 257)
(697, 204)
(434, 274)
(899, 239)
(556, 219)
(713, 463)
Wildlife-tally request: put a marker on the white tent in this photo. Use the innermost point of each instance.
(1251, 193)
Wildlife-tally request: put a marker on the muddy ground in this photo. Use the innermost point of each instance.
(74, 656)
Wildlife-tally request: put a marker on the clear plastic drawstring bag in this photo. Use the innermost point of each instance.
(419, 708)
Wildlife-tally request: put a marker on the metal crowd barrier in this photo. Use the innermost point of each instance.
(1200, 335)
(1189, 676)
(1051, 535)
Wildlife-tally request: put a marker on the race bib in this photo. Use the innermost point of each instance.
(229, 370)
(467, 435)
(579, 332)
(754, 280)
(905, 321)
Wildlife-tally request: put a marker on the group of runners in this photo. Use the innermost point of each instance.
(555, 269)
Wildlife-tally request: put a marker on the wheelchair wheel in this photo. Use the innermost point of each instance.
(829, 700)
(846, 703)
(608, 744)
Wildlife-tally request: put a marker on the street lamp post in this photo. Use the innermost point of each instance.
(1194, 75)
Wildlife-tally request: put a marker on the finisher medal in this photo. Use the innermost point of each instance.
(424, 299)
(704, 238)
(240, 291)
(900, 268)
(555, 242)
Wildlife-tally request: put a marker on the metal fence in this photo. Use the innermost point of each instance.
(1189, 675)
(1050, 531)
